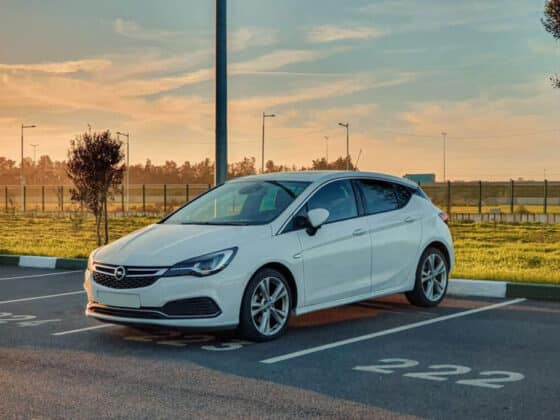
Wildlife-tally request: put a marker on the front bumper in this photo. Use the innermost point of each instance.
(181, 302)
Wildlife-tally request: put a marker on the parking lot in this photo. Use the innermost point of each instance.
(468, 358)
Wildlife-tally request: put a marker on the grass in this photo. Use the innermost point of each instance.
(491, 251)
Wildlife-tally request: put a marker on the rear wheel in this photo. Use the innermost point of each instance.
(431, 279)
(266, 306)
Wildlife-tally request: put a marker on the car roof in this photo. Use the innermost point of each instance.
(321, 176)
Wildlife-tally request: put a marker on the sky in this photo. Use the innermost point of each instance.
(400, 72)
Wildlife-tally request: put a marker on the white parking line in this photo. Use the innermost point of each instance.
(388, 332)
(32, 276)
(95, 327)
(42, 297)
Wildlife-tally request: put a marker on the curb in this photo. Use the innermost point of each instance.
(43, 262)
(502, 289)
(457, 287)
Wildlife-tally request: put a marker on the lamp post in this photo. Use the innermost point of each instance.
(22, 176)
(127, 173)
(264, 116)
(327, 147)
(444, 136)
(347, 126)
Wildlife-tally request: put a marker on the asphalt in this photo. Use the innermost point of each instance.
(468, 358)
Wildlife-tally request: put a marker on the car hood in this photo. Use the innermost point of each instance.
(167, 244)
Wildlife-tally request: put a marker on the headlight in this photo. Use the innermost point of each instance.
(204, 265)
(90, 260)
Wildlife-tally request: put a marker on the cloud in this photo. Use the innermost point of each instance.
(331, 33)
(250, 37)
(133, 30)
(63, 67)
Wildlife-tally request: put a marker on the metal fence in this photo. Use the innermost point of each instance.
(470, 198)
(139, 199)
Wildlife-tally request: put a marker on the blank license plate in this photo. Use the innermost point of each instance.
(125, 300)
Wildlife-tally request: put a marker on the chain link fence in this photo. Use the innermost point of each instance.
(138, 200)
(457, 198)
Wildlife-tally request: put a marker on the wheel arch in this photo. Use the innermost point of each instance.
(289, 277)
(441, 247)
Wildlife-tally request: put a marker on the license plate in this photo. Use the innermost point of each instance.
(126, 300)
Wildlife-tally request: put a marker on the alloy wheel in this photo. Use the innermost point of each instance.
(434, 277)
(270, 306)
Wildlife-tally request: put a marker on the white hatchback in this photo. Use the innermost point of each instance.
(255, 250)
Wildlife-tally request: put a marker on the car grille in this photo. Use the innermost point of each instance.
(136, 277)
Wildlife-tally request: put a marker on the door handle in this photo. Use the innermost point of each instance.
(409, 219)
(359, 232)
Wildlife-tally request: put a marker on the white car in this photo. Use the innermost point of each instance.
(255, 250)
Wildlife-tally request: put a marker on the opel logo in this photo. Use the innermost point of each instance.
(120, 272)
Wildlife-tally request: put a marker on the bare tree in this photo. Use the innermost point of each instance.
(551, 23)
(94, 166)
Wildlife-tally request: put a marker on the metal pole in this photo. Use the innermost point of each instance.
(444, 135)
(22, 180)
(127, 172)
(512, 202)
(221, 92)
(545, 196)
(327, 144)
(479, 197)
(347, 126)
(22, 176)
(449, 197)
(262, 148)
(264, 115)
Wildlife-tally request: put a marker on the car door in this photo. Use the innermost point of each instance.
(337, 258)
(395, 229)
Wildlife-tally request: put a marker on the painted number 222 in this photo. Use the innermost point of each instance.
(488, 379)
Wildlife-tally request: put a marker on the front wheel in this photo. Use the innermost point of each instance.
(431, 279)
(266, 306)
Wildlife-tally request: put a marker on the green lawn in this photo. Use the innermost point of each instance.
(514, 252)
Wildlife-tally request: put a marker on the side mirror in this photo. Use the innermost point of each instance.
(316, 218)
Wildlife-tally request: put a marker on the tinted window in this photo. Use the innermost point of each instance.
(383, 196)
(337, 197)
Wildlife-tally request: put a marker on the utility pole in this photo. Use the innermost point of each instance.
(444, 135)
(327, 144)
(34, 152)
(347, 126)
(221, 93)
(127, 173)
(22, 175)
(264, 115)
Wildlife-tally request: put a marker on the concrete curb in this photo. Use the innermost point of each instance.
(43, 262)
(457, 287)
(502, 289)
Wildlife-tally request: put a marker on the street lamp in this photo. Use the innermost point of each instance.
(264, 116)
(127, 173)
(347, 126)
(327, 145)
(444, 135)
(22, 176)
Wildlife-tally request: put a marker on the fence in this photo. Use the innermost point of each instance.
(472, 198)
(139, 199)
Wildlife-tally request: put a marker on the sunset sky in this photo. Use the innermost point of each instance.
(399, 71)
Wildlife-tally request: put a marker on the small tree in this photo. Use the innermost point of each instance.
(551, 22)
(94, 166)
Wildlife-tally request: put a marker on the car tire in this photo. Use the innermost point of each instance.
(432, 278)
(266, 306)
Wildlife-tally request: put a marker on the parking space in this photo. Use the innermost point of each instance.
(466, 358)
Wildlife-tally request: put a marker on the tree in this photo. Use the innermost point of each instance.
(551, 23)
(94, 166)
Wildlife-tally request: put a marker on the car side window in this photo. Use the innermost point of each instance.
(336, 197)
(383, 196)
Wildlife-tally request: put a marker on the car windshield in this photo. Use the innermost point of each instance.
(240, 203)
